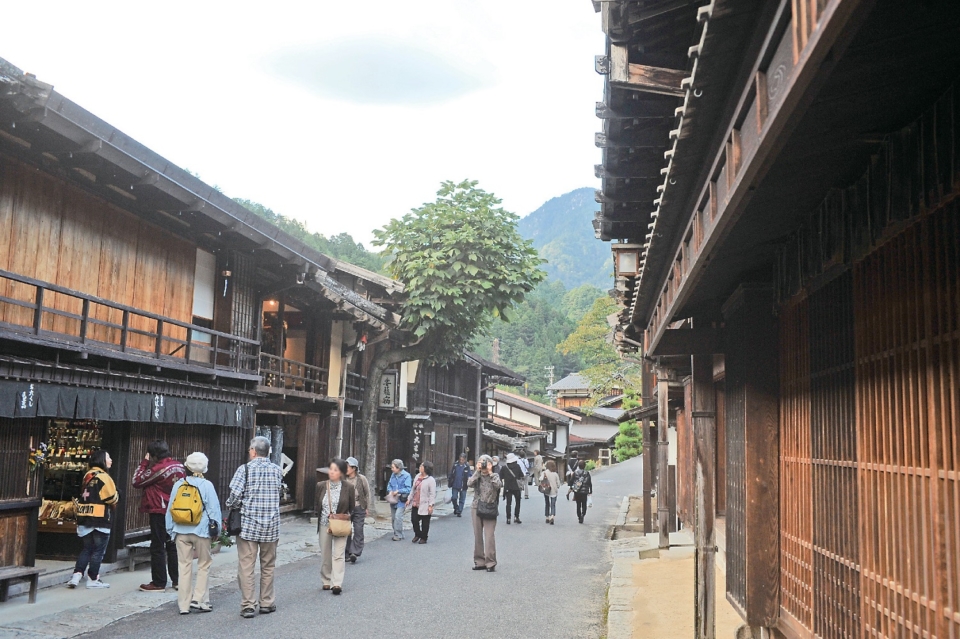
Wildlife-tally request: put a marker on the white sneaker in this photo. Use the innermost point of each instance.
(96, 583)
(75, 580)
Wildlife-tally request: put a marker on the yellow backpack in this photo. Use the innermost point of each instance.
(187, 506)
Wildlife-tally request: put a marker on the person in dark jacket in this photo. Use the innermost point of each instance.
(512, 475)
(457, 481)
(156, 475)
(334, 496)
(582, 488)
(95, 515)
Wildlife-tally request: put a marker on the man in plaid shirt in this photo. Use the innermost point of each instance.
(256, 486)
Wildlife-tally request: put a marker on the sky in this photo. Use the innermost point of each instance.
(340, 114)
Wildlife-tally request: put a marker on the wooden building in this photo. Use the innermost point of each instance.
(133, 301)
(571, 392)
(435, 413)
(781, 179)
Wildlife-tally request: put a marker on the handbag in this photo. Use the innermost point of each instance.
(487, 509)
(235, 516)
(340, 525)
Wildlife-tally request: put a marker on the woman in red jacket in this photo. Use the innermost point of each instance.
(157, 474)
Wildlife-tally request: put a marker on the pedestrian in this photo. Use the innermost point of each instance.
(196, 538)
(525, 467)
(422, 499)
(512, 475)
(256, 488)
(550, 485)
(497, 467)
(457, 481)
(358, 516)
(95, 515)
(571, 468)
(398, 490)
(486, 490)
(582, 488)
(336, 500)
(156, 475)
(538, 466)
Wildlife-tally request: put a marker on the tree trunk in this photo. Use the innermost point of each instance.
(369, 430)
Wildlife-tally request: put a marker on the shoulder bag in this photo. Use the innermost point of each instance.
(235, 516)
(213, 526)
(340, 525)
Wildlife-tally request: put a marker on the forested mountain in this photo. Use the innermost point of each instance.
(528, 341)
(341, 246)
(562, 232)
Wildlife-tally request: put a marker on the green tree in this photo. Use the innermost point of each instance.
(629, 441)
(592, 342)
(463, 264)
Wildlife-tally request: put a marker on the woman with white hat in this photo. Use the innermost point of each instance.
(512, 476)
(194, 527)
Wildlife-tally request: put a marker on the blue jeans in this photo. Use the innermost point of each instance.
(550, 505)
(94, 547)
(458, 498)
(397, 511)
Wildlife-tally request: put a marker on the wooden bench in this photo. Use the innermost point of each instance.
(132, 550)
(19, 573)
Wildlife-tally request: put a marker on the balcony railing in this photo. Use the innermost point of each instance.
(280, 375)
(39, 312)
(355, 386)
(442, 402)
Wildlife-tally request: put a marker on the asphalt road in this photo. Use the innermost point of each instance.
(550, 582)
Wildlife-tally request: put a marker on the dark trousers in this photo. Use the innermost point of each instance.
(91, 555)
(581, 506)
(355, 540)
(163, 552)
(511, 496)
(421, 523)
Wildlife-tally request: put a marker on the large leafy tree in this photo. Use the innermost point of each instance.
(463, 264)
(592, 342)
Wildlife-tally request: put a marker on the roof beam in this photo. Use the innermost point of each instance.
(640, 77)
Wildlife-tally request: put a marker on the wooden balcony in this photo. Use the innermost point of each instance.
(356, 384)
(435, 401)
(44, 314)
(280, 376)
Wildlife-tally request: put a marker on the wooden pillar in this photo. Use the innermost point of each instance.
(752, 367)
(703, 417)
(647, 400)
(663, 468)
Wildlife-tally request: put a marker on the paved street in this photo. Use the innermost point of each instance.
(550, 582)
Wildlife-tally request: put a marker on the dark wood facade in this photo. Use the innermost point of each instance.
(813, 243)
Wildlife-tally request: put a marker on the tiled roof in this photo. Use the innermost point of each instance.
(573, 381)
(516, 427)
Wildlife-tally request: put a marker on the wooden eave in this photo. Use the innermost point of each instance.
(866, 70)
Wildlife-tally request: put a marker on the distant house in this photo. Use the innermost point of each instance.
(519, 424)
(571, 391)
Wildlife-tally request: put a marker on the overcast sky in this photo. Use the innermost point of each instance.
(342, 114)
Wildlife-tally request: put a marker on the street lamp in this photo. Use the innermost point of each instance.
(626, 259)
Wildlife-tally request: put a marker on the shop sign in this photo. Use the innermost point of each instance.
(388, 390)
